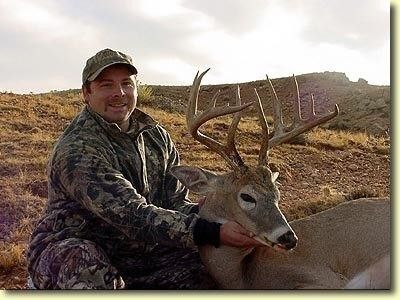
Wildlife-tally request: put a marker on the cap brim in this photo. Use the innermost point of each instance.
(95, 74)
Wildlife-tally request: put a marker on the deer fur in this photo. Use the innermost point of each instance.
(334, 246)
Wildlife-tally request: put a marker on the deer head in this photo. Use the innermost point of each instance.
(248, 194)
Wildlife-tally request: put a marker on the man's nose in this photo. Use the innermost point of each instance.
(119, 90)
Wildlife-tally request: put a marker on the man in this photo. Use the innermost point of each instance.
(116, 217)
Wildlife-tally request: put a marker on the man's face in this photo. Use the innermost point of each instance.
(113, 95)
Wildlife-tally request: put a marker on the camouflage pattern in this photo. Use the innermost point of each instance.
(76, 264)
(81, 264)
(114, 189)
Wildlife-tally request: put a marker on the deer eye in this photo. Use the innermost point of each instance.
(247, 198)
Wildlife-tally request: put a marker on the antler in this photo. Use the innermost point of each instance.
(194, 120)
(282, 133)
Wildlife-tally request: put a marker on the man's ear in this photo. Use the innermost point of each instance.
(197, 180)
(85, 92)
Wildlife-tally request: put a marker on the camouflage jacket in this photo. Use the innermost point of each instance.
(114, 188)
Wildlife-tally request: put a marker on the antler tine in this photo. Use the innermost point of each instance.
(263, 154)
(215, 97)
(312, 105)
(277, 107)
(296, 105)
(282, 133)
(301, 125)
(279, 127)
(191, 109)
(230, 141)
(195, 120)
(236, 119)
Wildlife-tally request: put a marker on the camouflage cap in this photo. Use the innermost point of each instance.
(102, 60)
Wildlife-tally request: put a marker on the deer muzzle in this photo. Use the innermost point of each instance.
(288, 240)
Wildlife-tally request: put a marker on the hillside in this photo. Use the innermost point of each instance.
(321, 169)
(363, 107)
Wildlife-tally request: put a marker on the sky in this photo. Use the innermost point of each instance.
(45, 43)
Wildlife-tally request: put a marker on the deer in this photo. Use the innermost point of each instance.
(322, 251)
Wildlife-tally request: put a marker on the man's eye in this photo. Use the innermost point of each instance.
(128, 83)
(105, 85)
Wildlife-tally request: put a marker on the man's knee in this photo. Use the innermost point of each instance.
(170, 268)
(75, 264)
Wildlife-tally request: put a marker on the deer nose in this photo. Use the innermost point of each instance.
(289, 240)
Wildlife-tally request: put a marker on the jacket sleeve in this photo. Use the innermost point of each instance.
(176, 193)
(88, 177)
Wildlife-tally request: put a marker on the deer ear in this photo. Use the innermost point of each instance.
(274, 176)
(197, 180)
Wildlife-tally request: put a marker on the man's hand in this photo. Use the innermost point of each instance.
(232, 234)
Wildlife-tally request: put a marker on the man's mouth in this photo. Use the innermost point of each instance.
(117, 104)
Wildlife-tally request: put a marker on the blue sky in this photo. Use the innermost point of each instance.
(44, 44)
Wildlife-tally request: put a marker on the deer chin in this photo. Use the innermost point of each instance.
(276, 246)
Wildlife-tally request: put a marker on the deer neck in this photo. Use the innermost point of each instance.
(214, 209)
(227, 265)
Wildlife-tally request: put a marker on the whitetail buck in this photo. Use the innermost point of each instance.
(332, 246)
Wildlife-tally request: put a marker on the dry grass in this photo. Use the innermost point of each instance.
(145, 94)
(346, 140)
(328, 197)
(12, 255)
